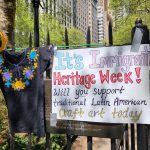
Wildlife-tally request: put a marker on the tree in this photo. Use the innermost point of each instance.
(23, 23)
(7, 11)
(76, 37)
(138, 7)
(125, 13)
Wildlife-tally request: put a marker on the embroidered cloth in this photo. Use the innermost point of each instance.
(21, 81)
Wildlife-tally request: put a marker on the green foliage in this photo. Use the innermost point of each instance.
(51, 24)
(58, 142)
(123, 24)
(3, 120)
(24, 25)
(122, 35)
(21, 142)
(76, 37)
(131, 6)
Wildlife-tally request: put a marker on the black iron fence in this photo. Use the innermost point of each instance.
(125, 142)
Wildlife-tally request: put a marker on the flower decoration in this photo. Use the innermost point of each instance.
(19, 83)
(7, 76)
(33, 55)
(3, 41)
(27, 72)
(1, 60)
(27, 82)
(35, 65)
(8, 84)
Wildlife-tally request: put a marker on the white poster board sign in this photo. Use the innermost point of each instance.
(108, 84)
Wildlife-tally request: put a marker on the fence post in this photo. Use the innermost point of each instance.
(36, 4)
(88, 37)
(113, 141)
(12, 144)
(29, 146)
(132, 136)
(13, 41)
(29, 141)
(88, 42)
(67, 46)
(30, 39)
(48, 71)
(142, 137)
(68, 142)
(113, 144)
(66, 38)
(126, 137)
(110, 34)
(89, 142)
(142, 130)
(47, 145)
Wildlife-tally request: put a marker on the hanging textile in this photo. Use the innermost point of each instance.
(21, 81)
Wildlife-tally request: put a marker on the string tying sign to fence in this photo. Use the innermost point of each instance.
(109, 84)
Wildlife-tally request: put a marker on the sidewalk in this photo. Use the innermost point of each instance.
(98, 143)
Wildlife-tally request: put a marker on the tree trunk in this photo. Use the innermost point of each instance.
(7, 18)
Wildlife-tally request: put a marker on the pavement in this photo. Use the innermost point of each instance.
(98, 143)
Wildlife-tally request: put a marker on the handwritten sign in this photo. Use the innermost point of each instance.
(71, 127)
(109, 84)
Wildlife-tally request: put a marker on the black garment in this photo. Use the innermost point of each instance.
(144, 29)
(26, 107)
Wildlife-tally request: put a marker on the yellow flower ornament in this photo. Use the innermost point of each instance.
(18, 84)
(26, 75)
(3, 41)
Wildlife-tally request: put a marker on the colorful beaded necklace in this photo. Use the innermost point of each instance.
(20, 83)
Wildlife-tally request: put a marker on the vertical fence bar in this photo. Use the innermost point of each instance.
(142, 130)
(88, 42)
(29, 147)
(110, 34)
(68, 142)
(46, 6)
(88, 37)
(13, 41)
(68, 135)
(48, 38)
(36, 4)
(12, 135)
(66, 38)
(113, 141)
(132, 137)
(126, 138)
(48, 71)
(142, 137)
(89, 142)
(12, 141)
(48, 146)
(113, 144)
(30, 39)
